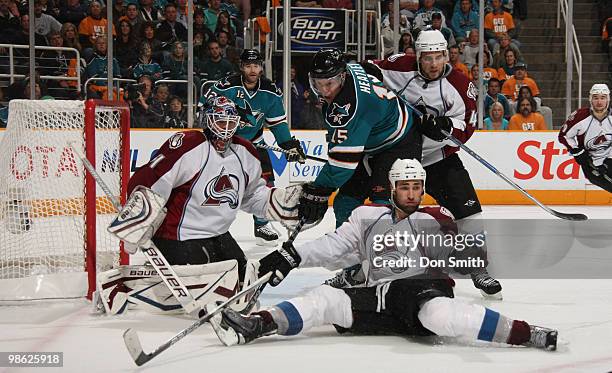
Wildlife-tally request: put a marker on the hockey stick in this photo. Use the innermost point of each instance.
(130, 336)
(152, 253)
(280, 150)
(134, 347)
(567, 216)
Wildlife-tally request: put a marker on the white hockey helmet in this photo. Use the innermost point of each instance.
(406, 169)
(599, 89)
(430, 41)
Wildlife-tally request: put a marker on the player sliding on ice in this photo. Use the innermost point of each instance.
(395, 300)
(587, 134)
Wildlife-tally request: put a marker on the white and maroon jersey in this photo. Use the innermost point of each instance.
(452, 95)
(583, 132)
(203, 189)
(356, 242)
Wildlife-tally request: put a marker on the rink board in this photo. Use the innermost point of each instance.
(534, 160)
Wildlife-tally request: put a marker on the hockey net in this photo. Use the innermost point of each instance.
(53, 219)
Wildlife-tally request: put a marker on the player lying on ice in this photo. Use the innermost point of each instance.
(406, 301)
(193, 187)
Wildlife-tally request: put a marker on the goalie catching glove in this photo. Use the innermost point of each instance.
(280, 263)
(139, 219)
(283, 207)
(295, 153)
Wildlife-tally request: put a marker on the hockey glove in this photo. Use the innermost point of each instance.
(313, 202)
(432, 127)
(582, 157)
(295, 152)
(280, 263)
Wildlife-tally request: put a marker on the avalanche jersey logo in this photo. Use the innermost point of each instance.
(599, 143)
(338, 112)
(472, 91)
(176, 140)
(222, 189)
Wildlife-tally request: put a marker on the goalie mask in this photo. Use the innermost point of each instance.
(402, 170)
(222, 121)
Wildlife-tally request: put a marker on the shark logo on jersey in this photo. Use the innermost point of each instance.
(253, 116)
(338, 112)
(223, 188)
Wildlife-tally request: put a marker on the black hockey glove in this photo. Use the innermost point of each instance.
(582, 157)
(432, 127)
(296, 154)
(313, 202)
(280, 263)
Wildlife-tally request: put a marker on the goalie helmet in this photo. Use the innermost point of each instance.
(222, 121)
(406, 169)
(599, 89)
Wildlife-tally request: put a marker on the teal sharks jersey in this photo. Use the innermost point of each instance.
(364, 118)
(264, 105)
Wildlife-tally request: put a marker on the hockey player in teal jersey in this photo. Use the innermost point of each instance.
(261, 103)
(368, 128)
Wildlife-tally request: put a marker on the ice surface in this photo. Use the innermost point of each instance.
(580, 309)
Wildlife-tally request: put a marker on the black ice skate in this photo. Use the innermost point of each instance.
(489, 287)
(265, 235)
(232, 328)
(347, 278)
(542, 338)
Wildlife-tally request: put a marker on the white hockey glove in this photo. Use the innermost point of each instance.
(283, 206)
(139, 219)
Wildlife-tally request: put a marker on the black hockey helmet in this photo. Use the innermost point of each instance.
(251, 56)
(327, 63)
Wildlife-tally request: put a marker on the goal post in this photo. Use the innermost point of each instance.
(53, 219)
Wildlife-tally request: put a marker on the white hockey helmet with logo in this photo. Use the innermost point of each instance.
(599, 89)
(430, 41)
(406, 169)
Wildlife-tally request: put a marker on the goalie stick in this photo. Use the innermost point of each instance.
(561, 215)
(151, 252)
(130, 336)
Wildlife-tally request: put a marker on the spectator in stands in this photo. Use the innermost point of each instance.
(199, 25)
(422, 17)
(230, 53)
(455, 60)
(224, 24)
(97, 68)
(499, 54)
(525, 92)
(181, 12)
(494, 96)
(125, 48)
(132, 16)
(474, 75)
(200, 46)
(497, 22)
(160, 100)
(119, 10)
(212, 13)
(409, 8)
(176, 63)
(72, 12)
(176, 115)
(506, 71)
(91, 28)
(342, 4)
(56, 63)
(69, 36)
(44, 23)
(143, 114)
(473, 6)
(495, 119)
(511, 87)
(488, 71)
(406, 44)
(22, 37)
(149, 13)
(436, 24)
(297, 96)
(8, 21)
(37, 91)
(146, 65)
(216, 67)
(526, 118)
(464, 20)
(148, 34)
(470, 50)
(169, 30)
(312, 117)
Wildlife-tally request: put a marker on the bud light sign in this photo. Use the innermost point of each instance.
(312, 29)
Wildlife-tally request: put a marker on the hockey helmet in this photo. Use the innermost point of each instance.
(222, 121)
(406, 169)
(599, 89)
(327, 63)
(430, 40)
(251, 56)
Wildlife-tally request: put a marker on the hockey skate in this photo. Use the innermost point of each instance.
(347, 278)
(489, 287)
(266, 235)
(232, 328)
(542, 338)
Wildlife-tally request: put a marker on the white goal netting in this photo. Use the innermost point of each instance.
(43, 199)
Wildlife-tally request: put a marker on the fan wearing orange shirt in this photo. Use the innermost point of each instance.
(526, 118)
(454, 58)
(497, 23)
(511, 87)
